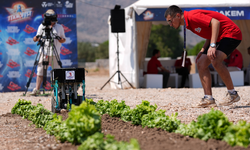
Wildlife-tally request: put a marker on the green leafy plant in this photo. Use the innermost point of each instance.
(98, 141)
(212, 125)
(160, 120)
(82, 122)
(135, 115)
(238, 134)
(187, 129)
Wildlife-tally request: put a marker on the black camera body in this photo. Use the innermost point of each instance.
(48, 18)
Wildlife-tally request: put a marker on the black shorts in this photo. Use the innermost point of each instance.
(226, 45)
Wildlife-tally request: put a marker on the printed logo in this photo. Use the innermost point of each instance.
(13, 52)
(1, 64)
(1, 87)
(68, 4)
(30, 51)
(148, 15)
(44, 4)
(1, 53)
(11, 41)
(59, 4)
(47, 86)
(65, 51)
(232, 13)
(28, 29)
(29, 63)
(1, 76)
(198, 29)
(14, 74)
(68, 40)
(12, 86)
(19, 12)
(47, 4)
(66, 29)
(28, 73)
(12, 64)
(1, 41)
(12, 29)
(70, 75)
(66, 62)
(29, 41)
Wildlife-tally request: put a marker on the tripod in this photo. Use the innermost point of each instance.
(118, 71)
(41, 53)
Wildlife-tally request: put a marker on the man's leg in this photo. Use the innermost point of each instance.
(184, 73)
(39, 80)
(205, 77)
(232, 95)
(204, 74)
(165, 78)
(222, 69)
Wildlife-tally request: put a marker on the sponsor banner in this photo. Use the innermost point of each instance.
(234, 13)
(20, 20)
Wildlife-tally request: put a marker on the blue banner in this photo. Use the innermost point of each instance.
(20, 20)
(234, 13)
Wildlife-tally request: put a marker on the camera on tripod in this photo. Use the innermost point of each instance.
(47, 22)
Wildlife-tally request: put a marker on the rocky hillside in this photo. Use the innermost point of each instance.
(92, 18)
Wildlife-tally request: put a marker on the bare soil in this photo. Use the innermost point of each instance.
(17, 133)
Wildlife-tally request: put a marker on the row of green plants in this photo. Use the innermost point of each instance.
(212, 125)
(83, 126)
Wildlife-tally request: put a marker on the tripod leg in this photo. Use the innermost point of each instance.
(127, 80)
(108, 81)
(33, 70)
(57, 56)
(119, 79)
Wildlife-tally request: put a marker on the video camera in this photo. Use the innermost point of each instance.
(48, 18)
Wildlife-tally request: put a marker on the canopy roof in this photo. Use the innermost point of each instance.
(141, 5)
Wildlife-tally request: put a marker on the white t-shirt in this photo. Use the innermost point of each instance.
(57, 29)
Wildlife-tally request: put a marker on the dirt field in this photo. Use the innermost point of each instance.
(16, 133)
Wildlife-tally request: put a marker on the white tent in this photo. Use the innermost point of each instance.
(139, 18)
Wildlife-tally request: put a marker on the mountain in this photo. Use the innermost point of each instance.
(92, 20)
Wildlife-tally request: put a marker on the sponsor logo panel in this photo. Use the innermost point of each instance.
(19, 12)
(12, 29)
(29, 41)
(12, 64)
(68, 4)
(11, 41)
(30, 52)
(13, 87)
(28, 29)
(66, 62)
(14, 74)
(65, 51)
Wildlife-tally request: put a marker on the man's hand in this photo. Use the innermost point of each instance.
(211, 53)
(61, 40)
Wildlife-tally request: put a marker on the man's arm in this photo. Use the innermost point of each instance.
(163, 69)
(62, 35)
(215, 26)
